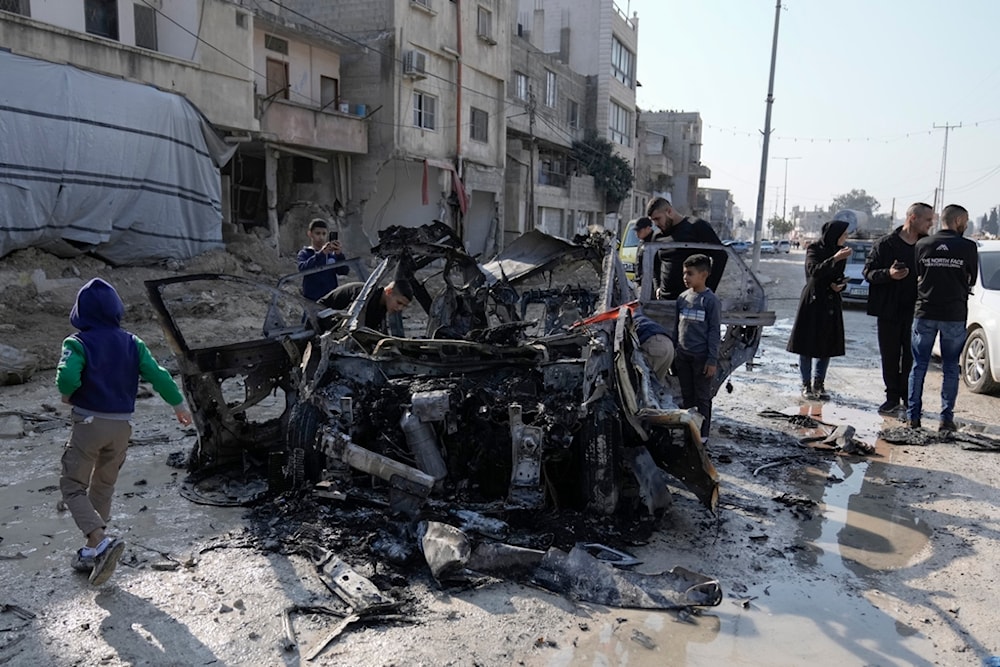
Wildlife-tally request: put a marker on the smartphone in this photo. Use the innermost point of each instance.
(333, 235)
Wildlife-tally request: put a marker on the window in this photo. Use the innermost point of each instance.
(329, 92)
(619, 124)
(145, 27)
(520, 86)
(480, 129)
(573, 114)
(424, 111)
(101, 17)
(551, 94)
(22, 7)
(484, 25)
(277, 79)
(276, 44)
(621, 62)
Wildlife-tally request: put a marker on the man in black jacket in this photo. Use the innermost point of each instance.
(682, 229)
(892, 276)
(947, 265)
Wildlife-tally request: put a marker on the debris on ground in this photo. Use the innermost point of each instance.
(585, 578)
(904, 435)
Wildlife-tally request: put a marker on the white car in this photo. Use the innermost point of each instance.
(784, 245)
(980, 358)
(766, 247)
(856, 290)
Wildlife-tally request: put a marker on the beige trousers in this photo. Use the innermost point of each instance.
(90, 464)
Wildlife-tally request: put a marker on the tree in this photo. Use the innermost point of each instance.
(859, 200)
(780, 226)
(612, 173)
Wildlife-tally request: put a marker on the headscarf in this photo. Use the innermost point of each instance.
(832, 231)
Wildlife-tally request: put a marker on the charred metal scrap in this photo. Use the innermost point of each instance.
(486, 392)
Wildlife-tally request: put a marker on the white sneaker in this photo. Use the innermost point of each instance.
(106, 561)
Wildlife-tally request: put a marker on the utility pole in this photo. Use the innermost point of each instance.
(531, 158)
(939, 193)
(762, 189)
(784, 204)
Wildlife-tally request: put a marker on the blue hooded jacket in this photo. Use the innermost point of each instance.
(110, 376)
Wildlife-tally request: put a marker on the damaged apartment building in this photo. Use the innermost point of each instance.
(562, 89)
(432, 76)
(371, 113)
(144, 92)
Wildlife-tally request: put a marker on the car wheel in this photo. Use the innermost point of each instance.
(976, 364)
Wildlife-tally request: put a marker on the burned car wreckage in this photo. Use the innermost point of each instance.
(499, 386)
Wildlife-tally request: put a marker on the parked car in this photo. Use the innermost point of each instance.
(980, 360)
(857, 287)
(629, 247)
(766, 247)
(519, 381)
(784, 245)
(739, 247)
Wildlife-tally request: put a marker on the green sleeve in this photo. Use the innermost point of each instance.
(70, 367)
(157, 375)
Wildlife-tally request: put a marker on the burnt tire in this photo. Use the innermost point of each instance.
(305, 461)
(601, 438)
(975, 364)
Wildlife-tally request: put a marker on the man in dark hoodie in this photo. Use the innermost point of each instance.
(98, 374)
(891, 271)
(947, 265)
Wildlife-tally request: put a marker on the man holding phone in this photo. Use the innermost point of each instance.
(323, 249)
(892, 276)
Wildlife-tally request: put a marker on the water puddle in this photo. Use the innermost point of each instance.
(804, 615)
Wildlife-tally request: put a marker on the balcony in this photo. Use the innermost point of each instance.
(698, 170)
(660, 164)
(322, 130)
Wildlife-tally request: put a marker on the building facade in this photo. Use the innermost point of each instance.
(715, 205)
(261, 80)
(596, 39)
(677, 136)
(431, 76)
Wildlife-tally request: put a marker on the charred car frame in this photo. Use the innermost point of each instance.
(490, 390)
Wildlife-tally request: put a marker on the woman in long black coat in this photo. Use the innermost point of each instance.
(818, 332)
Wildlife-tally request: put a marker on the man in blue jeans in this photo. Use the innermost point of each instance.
(947, 265)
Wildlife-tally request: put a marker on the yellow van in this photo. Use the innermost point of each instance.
(628, 248)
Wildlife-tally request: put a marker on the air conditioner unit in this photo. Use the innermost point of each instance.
(415, 64)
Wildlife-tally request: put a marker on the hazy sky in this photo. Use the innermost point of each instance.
(859, 85)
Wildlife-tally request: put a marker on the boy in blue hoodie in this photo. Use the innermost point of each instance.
(98, 374)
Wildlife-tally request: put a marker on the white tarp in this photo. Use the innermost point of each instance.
(91, 163)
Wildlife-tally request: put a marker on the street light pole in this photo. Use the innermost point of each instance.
(784, 204)
(762, 189)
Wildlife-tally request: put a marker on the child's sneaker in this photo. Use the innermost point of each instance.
(106, 561)
(82, 563)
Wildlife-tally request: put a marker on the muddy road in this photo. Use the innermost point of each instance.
(824, 558)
